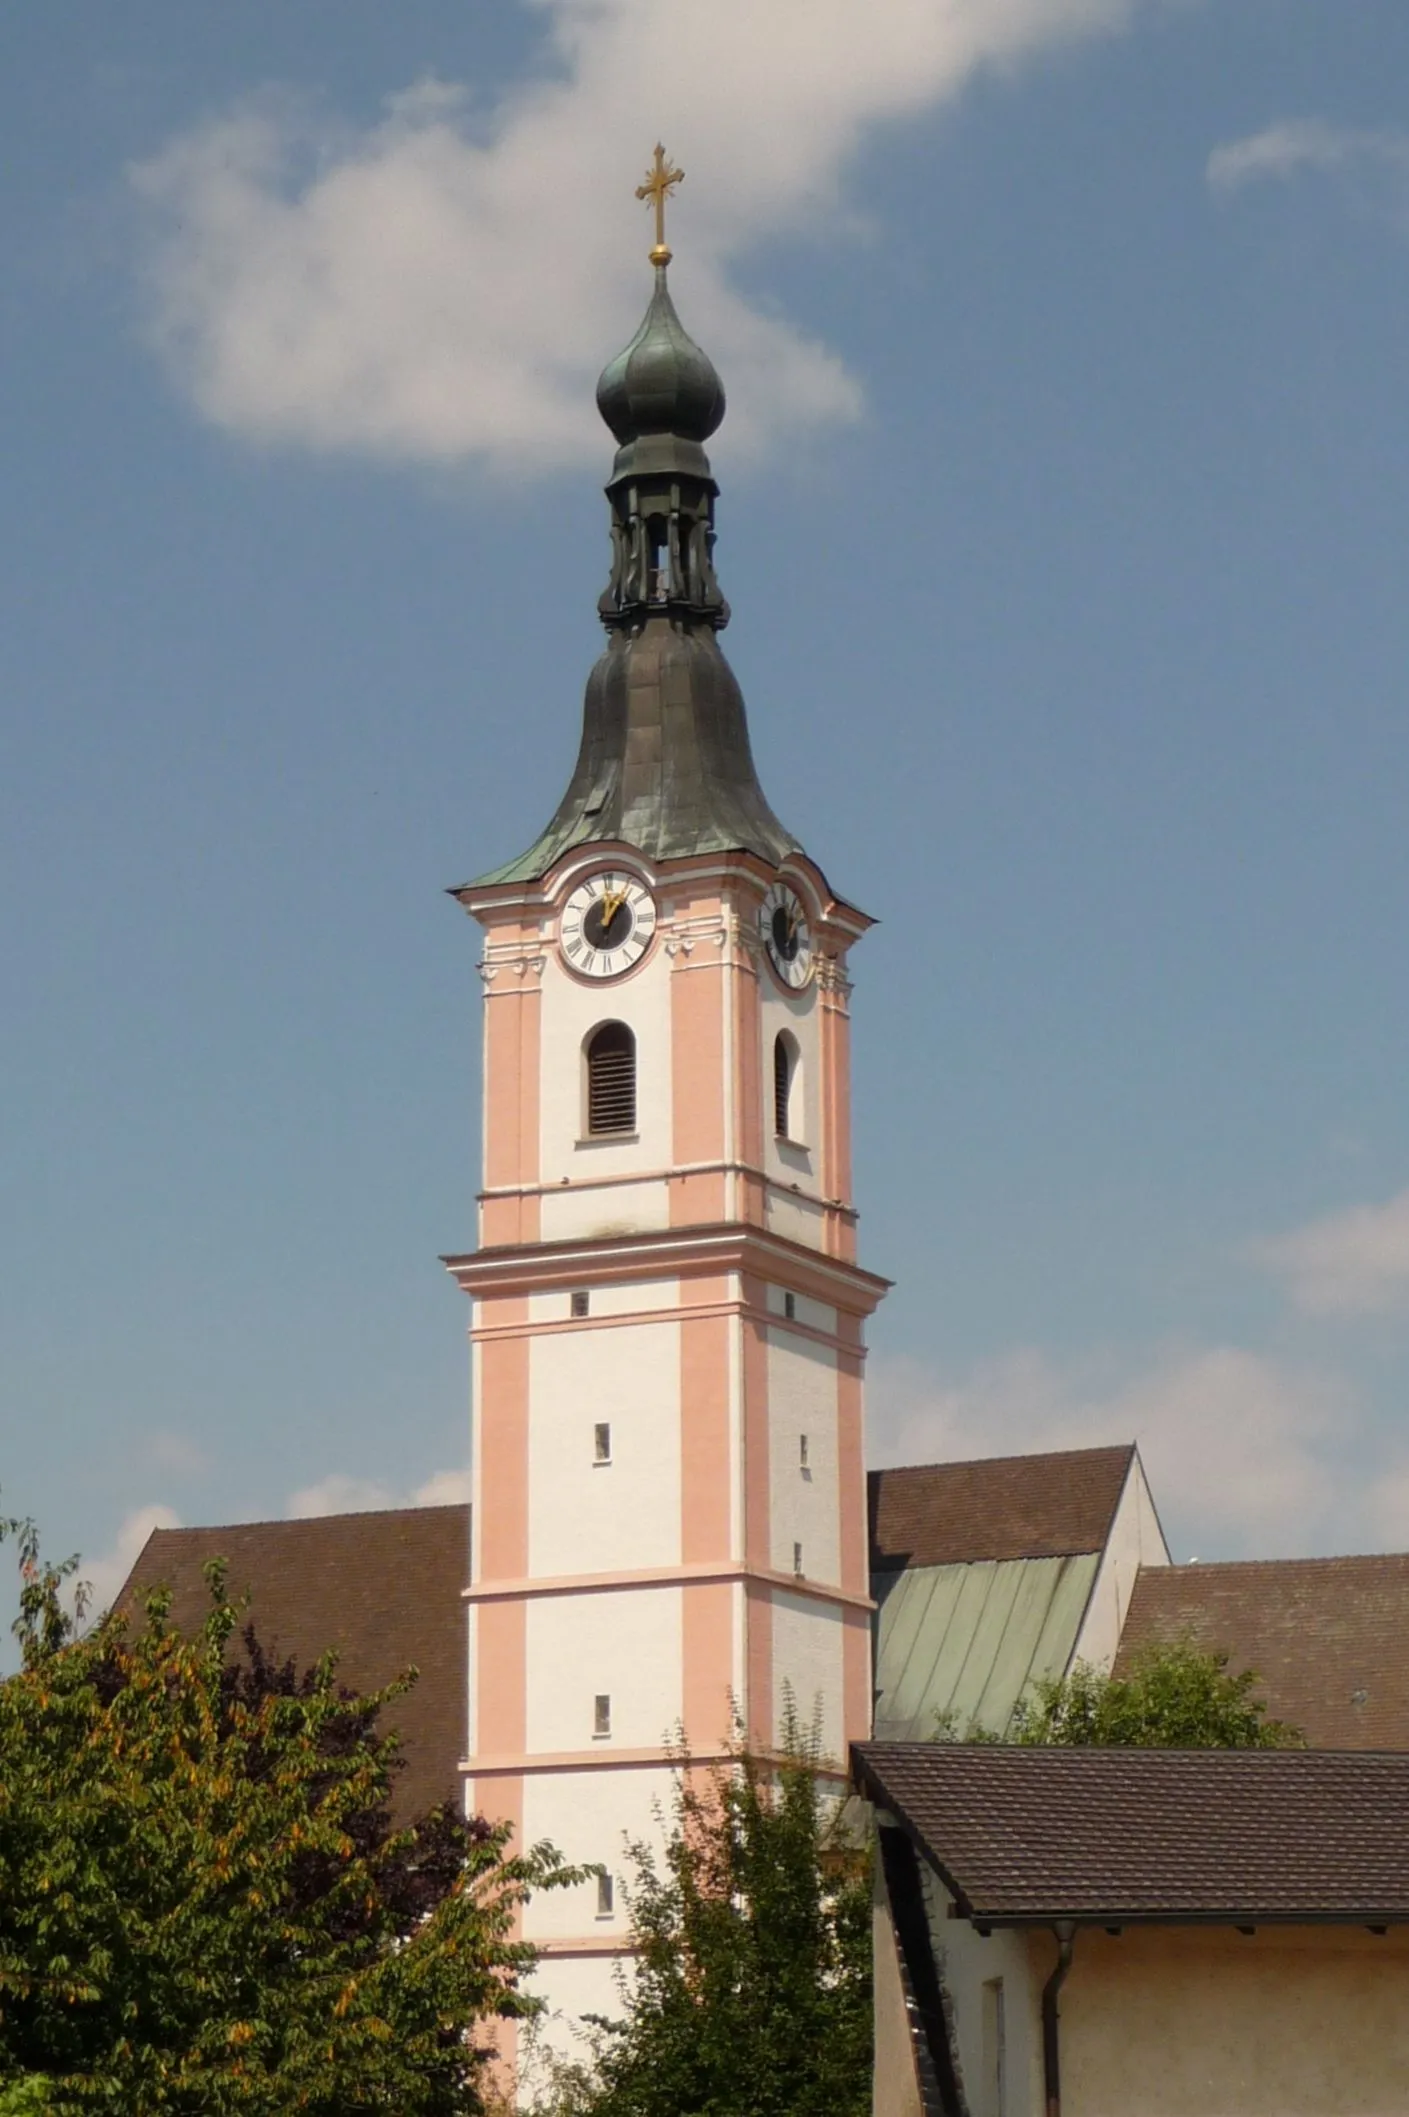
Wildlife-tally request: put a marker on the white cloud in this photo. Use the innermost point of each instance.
(341, 1493)
(447, 1488)
(178, 1453)
(106, 1573)
(1293, 144)
(444, 284)
(1349, 1264)
(1245, 1456)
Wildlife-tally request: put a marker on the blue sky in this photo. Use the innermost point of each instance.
(1064, 492)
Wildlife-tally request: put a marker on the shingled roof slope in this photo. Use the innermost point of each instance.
(383, 1589)
(1010, 1506)
(1328, 1637)
(1119, 1835)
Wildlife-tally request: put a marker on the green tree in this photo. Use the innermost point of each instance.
(1176, 1695)
(752, 1986)
(205, 1907)
(25, 2097)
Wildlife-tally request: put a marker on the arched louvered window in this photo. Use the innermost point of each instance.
(611, 1079)
(787, 1086)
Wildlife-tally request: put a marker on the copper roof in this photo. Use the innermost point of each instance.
(383, 1589)
(1010, 1506)
(1116, 1836)
(1328, 1637)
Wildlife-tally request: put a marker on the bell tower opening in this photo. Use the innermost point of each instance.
(609, 1059)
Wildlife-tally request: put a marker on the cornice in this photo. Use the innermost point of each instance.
(523, 1268)
(534, 1587)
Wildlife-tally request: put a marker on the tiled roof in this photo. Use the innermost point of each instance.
(1117, 1835)
(1010, 1506)
(1328, 1637)
(383, 1589)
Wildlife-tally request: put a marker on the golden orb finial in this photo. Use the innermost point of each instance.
(661, 180)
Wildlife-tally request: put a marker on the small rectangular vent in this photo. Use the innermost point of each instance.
(581, 1301)
(601, 1444)
(601, 1715)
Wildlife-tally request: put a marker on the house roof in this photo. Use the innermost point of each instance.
(382, 1589)
(1011, 1506)
(1117, 1836)
(1328, 1637)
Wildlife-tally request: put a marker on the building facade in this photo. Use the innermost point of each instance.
(669, 1507)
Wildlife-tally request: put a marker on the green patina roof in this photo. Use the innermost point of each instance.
(665, 763)
(963, 1642)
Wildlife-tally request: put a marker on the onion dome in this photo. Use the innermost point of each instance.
(663, 383)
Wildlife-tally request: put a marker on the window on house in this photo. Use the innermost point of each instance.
(797, 1560)
(611, 1079)
(581, 1301)
(787, 1086)
(601, 1443)
(601, 1715)
(606, 1896)
(802, 1462)
(790, 1305)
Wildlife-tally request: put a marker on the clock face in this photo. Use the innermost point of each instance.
(607, 924)
(783, 927)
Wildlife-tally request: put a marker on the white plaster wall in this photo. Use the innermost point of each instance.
(1136, 1540)
(590, 1815)
(625, 1642)
(807, 1656)
(796, 1011)
(966, 1962)
(1284, 2022)
(586, 1209)
(572, 1985)
(586, 1518)
(571, 1008)
(815, 1314)
(632, 1298)
(804, 1507)
(795, 1216)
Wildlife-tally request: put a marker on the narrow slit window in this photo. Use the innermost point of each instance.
(606, 1896)
(611, 1080)
(787, 1114)
(601, 1715)
(581, 1301)
(797, 1560)
(601, 1443)
(789, 1305)
(802, 1462)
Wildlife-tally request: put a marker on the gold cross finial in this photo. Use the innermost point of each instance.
(661, 180)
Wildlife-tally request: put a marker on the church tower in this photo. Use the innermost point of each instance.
(669, 1498)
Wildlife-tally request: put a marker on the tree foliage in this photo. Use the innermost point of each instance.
(1177, 1695)
(752, 1985)
(205, 1907)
